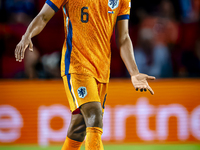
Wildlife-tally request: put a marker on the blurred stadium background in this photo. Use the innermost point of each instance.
(34, 112)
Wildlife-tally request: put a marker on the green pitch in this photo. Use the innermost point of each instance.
(114, 147)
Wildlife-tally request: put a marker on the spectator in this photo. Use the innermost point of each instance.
(19, 15)
(20, 11)
(189, 38)
(152, 58)
(191, 61)
(163, 25)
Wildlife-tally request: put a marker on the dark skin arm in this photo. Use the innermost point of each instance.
(124, 43)
(35, 27)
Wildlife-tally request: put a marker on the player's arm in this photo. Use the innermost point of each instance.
(125, 46)
(35, 27)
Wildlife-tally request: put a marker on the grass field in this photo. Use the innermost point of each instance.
(114, 147)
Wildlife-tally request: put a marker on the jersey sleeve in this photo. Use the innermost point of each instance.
(56, 4)
(124, 12)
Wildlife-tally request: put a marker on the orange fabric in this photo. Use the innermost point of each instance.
(93, 138)
(59, 3)
(125, 7)
(94, 90)
(89, 27)
(71, 144)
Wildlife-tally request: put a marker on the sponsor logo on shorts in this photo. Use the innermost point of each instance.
(82, 92)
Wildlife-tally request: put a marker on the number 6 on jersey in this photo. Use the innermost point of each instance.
(84, 15)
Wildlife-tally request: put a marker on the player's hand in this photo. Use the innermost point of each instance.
(21, 48)
(140, 82)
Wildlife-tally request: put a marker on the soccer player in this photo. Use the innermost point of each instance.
(85, 64)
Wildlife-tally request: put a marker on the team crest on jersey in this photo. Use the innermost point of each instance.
(113, 4)
(82, 92)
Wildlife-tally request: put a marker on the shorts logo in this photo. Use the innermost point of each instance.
(113, 4)
(82, 92)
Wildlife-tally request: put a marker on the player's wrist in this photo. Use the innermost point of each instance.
(26, 36)
(134, 73)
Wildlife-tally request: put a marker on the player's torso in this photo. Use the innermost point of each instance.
(92, 19)
(92, 23)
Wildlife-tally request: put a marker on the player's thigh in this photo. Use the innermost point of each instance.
(84, 89)
(102, 89)
(80, 89)
(68, 91)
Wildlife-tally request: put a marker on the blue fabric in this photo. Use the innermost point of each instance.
(52, 5)
(186, 7)
(69, 48)
(68, 80)
(19, 6)
(69, 85)
(104, 101)
(123, 17)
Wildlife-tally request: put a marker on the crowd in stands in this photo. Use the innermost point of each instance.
(165, 36)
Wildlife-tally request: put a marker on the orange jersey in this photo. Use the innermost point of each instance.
(89, 25)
